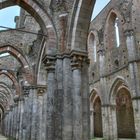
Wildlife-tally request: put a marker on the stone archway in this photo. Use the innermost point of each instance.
(41, 16)
(122, 114)
(125, 114)
(4, 48)
(95, 115)
(13, 79)
(98, 132)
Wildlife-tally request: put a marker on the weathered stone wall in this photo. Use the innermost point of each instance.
(117, 67)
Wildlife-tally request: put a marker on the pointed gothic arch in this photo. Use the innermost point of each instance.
(93, 42)
(13, 79)
(113, 34)
(79, 24)
(120, 97)
(41, 16)
(95, 114)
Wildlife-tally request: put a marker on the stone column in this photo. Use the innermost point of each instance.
(85, 98)
(77, 96)
(17, 116)
(34, 127)
(9, 123)
(134, 77)
(67, 99)
(28, 99)
(26, 115)
(130, 44)
(40, 92)
(136, 109)
(5, 123)
(11, 120)
(91, 124)
(15, 120)
(101, 53)
(21, 108)
(50, 67)
(44, 116)
(58, 98)
(109, 122)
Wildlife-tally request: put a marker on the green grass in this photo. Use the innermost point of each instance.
(11, 138)
(98, 139)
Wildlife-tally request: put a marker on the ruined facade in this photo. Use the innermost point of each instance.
(113, 46)
(46, 95)
(65, 78)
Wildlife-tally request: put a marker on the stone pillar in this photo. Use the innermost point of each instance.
(77, 97)
(40, 92)
(101, 53)
(67, 99)
(21, 111)
(5, 123)
(11, 120)
(28, 99)
(134, 77)
(58, 98)
(26, 115)
(91, 124)
(44, 116)
(50, 67)
(17, 116)
(34, 127)
(130, 44)
(85, 98)
(15, 119)
(109, 122)
(9, 123)
(136, 109)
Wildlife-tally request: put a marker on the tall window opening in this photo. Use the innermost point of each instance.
(92, 48)
(117, 36)
(113, 31)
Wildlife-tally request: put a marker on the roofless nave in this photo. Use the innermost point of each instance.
(48, 88)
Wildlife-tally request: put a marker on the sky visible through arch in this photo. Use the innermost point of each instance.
(7, 15)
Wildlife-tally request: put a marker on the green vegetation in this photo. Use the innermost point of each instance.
(98, 139)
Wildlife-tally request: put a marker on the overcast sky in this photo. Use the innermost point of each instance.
(7, 15)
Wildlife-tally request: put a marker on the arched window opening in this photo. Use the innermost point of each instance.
(9, 62)
(4, 54)
(117, 32)
(95, 51)
(92, 49)
(113, 31)
(7, 17)
(125, 115)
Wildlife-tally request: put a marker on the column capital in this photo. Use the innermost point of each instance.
(41, 90)
(129, 32)
(77, 59)
(101, 51)
(49, 62)
(16, 98)
(26, 90)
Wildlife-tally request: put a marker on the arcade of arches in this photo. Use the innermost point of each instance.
(63, 77)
